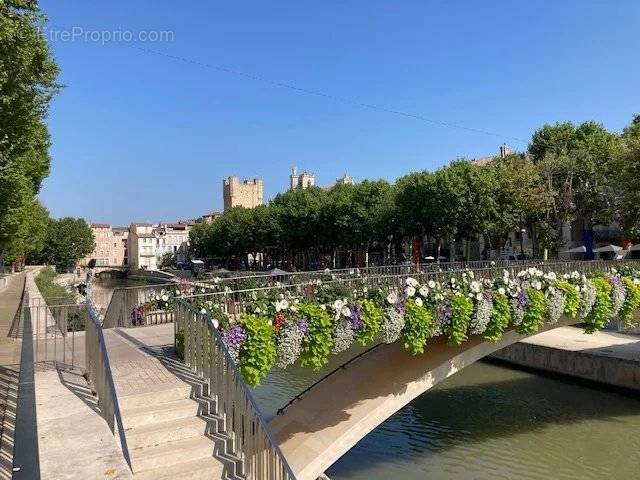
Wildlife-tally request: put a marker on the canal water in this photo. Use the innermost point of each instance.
(490, 421)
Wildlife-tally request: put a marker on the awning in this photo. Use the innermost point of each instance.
(608, 248)
(580, 249)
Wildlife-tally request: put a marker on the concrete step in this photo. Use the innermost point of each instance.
(148, 399)
(165, 432)
(172, 453)
(148, 414)
(201, 469)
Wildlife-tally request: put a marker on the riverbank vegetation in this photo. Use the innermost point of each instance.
(568, 173)
(52, 292)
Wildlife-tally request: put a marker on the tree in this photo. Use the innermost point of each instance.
(27, 83)
(628, 179)
(67, 241)
(522, 198)
(167, 260)
(583, 164)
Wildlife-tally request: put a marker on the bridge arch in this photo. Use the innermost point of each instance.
(330, 419)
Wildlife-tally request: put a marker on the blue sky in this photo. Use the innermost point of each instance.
(147, 130)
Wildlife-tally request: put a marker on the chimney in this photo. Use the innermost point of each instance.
(504, 150)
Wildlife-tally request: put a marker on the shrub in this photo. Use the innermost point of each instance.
(180, 344)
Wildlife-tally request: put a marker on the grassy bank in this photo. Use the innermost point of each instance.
(53, 293)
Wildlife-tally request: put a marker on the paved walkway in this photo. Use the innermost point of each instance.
(167, 433)
(9, 304)
(606, 357)
(10, 348)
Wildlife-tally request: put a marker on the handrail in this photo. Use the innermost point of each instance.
(244, 425)
(281, 410)
(99, 373)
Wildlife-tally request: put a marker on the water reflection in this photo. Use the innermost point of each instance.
(490, 422)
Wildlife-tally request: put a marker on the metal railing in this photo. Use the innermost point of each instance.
(234, 303)
(98, 371)
(231, 400)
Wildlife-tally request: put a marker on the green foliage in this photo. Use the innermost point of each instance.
(631, 304)
(318, 341)
(371, 315)
(461, 311)
(167, 260)
(500, 318)
(67, 241)
(258, 353)
(535, 314)
(27, 83)
(52, 292)
(571, 296)
(180, 344)
(601, 312)
(417, 327)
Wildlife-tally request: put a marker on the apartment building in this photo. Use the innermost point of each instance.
(110, 250)
(142, 246)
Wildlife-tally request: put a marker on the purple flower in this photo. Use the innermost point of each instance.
(523, 299)
(444, 311)
(356, 318)
(235, 336)
(303, 327)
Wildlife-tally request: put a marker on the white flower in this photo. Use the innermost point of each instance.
(295, 309)
(418, 302)
(216, 280)
(412, 282)
(165, 298)
(424, 291)
(432, 284)
(537, 285)
(410, 291)
(392, 298)
(177, 292)
(493, 263)
(439, 297)
(257, 310)
(215, 323)
(337, 305)
(203, 290)
(323, 307)
(346, 312)
(478, 296)
(327, 271)
(453, 281)
(475, 287)
(203, 311)
(471, 274)
(501, 291)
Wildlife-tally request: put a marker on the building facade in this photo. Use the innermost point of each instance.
(345, 180)
(247, 194)
(301, 180)
(109, 248)
(142, 246)
(172, 238)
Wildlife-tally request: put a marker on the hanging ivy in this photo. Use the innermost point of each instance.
(371, 316)
(534, 316)
(600, 314)
(318, 341)
(258, 353)
(500, 318)
(461, 311)
(417, 327)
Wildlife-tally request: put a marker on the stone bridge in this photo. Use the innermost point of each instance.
(315, 431)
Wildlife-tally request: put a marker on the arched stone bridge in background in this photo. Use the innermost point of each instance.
(328, 420)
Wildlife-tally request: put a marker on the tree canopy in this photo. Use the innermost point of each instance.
(27, 83)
